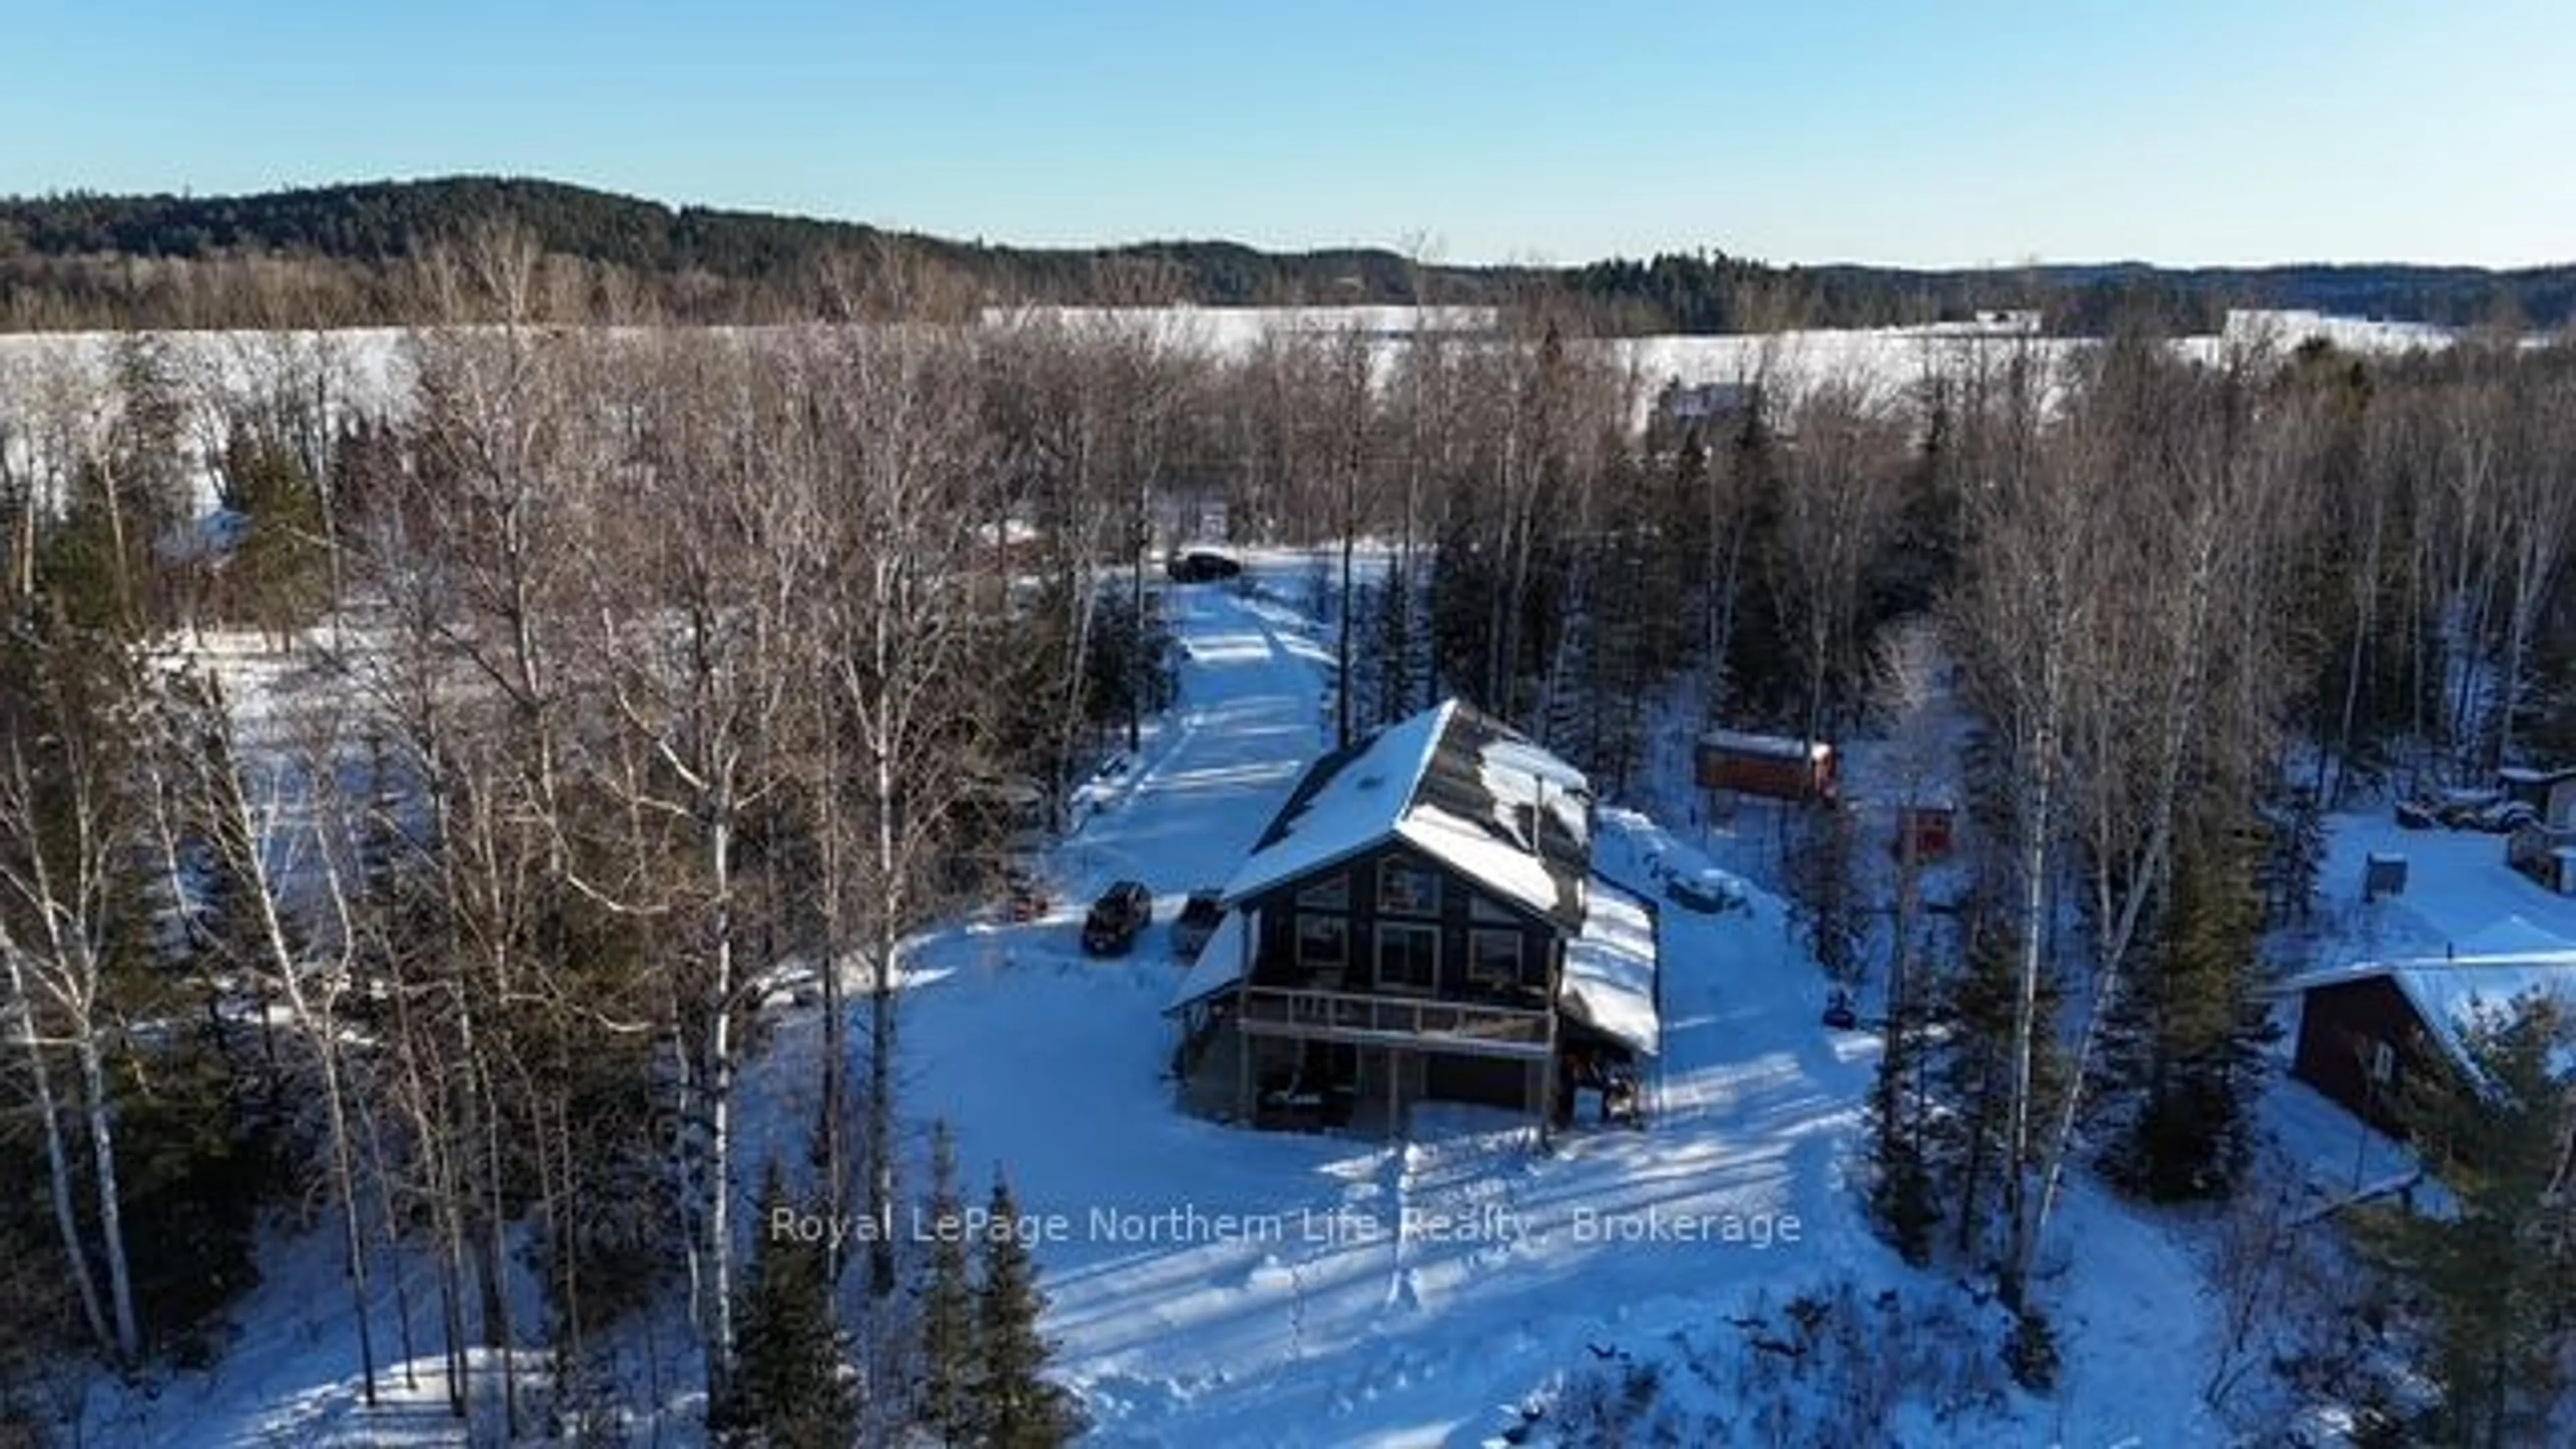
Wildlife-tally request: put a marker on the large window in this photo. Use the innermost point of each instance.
(1407, 889)
(1408, 957)
(1332, 893)
(1494, 957)
(1323, 942)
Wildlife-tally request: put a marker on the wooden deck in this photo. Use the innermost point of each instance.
(1429, 1025)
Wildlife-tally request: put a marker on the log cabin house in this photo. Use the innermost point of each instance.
(1421, 921)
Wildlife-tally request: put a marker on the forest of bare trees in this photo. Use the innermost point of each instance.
(638, 673)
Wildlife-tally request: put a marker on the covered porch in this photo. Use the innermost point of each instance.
(1271, 1079)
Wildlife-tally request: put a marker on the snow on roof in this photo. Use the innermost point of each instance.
(1453, 784)
(2532, 775)
(2496, 968)
(1507, 869)
(1219, 964)
(2452, 996)
(1517, 773)
(1344, 805)
(1609, 980)
(1769, 747)
(2515, 936)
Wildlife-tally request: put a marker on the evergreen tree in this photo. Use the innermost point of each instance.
(1824, 882)
(1902, 1191)
(2294, 855)
(279, 564)
(1967, 1020)
(947, 1406)
(2186, 1041)
(79, 934)
(1902, 1196)
(2499, 1272)
(1021, 1410)
(1761, 661)
(1129, 667)
(790, 1387)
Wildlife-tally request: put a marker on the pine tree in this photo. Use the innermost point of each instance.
(1823, 880)
(789, 1387)
(280, 563)
(2187, 1037)
(1902, 1192)
(1021, 1410)
(1968, 1040)
(2294, 856)
(2498, 1273)
(947, 1405)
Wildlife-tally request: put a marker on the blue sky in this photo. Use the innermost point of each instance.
(2174, 131)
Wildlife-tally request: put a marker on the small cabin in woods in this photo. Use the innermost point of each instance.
(1771, 766)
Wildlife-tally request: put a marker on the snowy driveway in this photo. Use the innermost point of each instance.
(1213, 1285)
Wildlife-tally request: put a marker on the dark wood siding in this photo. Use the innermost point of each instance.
(1494, 1083)
(2340, 1027)
(1276, 964)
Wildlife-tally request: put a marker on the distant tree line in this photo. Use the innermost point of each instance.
(318, 256)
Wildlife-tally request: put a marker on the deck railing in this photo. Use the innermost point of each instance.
(1338, 1015)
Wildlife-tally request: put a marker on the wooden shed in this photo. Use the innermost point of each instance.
(1928, 829)
(1771, 766)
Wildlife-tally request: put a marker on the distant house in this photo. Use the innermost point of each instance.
(1710, 402)
(1010, 544)
(1994, 322)
(1767, 765)
(2368, 1029)
(1421, 921)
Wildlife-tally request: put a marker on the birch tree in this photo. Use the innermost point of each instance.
(690, 590)
(68, 830)
(908, 455)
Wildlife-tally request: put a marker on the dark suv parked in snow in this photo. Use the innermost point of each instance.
(1117, 918)
(1197, 923)
(1200, 566)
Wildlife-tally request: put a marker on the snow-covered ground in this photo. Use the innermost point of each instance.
(2459, 890)
(1214, 1286)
